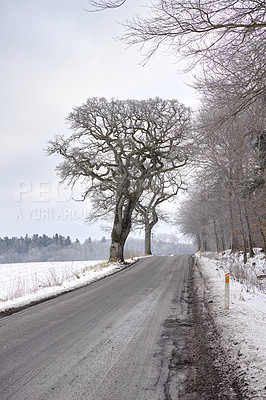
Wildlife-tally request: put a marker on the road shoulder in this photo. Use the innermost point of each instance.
(223, 354)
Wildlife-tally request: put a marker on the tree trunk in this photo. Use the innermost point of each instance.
(250, 241)
(119, 236)
(221, 232)
(199, 241)
(121, 227)
(215, 234)
(147, 239)
(117, 251)
(204, 241)
(148, 230)
(249, 233)
(242, 230)
(234, 241)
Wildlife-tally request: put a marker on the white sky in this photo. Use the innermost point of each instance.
(54, 56)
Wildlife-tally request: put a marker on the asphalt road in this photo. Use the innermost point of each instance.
(107, 341)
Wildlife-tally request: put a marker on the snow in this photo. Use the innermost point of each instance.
(24, 283)
(243, 326)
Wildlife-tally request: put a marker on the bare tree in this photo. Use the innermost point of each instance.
(203, 215)
(117, 149)
(229, 185)
(148, 212)
(195, 27)
(227, 38)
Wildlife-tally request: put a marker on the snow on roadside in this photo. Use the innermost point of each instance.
(243, 326)
(24, 283)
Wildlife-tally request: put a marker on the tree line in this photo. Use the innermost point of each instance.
(225, 208)
(42, 248)
(24, 244)
(34, 248)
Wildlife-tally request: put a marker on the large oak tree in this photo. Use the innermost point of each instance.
(117, 148)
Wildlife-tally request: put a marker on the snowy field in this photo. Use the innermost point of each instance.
(23, 283)
(243, 326)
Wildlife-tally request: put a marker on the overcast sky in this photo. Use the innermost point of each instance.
(54, 56)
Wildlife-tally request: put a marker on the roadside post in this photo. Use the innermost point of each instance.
(226, 291)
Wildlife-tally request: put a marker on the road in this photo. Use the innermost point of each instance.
(108, 341)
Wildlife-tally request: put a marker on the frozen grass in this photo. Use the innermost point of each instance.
(94, 268)
(52, 279)
(250, 275)
(18, 287)
(19, 280)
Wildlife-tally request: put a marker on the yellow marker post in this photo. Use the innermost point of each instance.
(226, 291)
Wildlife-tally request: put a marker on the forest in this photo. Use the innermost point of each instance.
(225, 205)
(42, 248)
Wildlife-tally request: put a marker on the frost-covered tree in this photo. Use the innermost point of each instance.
(117, 148)
(226, 38)
(229, 181)
(148, 212)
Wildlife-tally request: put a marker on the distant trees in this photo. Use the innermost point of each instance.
(119, 149)
(43, 248)
(24, 244)
(35, 248)
(15, 250)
